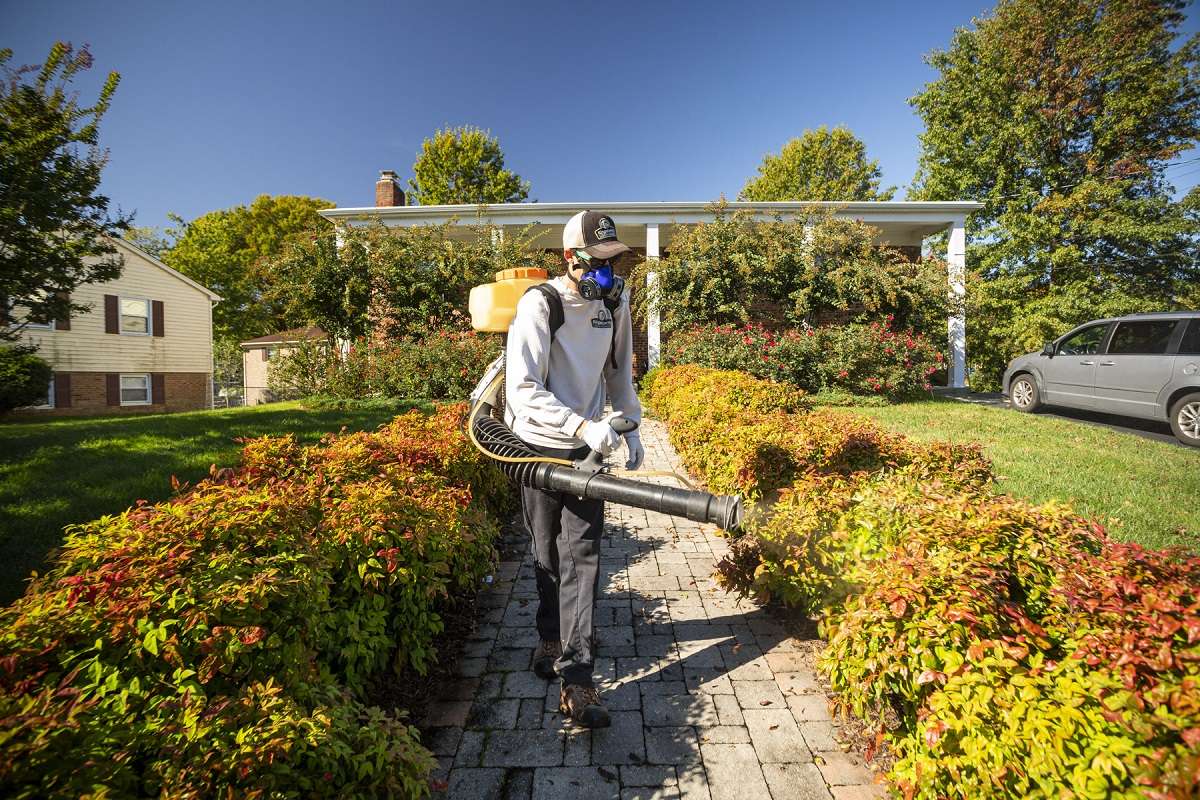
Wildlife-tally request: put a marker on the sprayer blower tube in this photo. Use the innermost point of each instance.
(496, 439)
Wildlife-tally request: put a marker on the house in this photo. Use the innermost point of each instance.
(258, 355)
(648, 228)
(145, 345)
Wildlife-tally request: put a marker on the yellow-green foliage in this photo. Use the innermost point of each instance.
(221, 643)
(1026, 654)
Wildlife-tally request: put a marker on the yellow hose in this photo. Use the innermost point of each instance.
(510, 459)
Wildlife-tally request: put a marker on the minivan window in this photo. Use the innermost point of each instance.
(1143, 337)
(1190, 346)
(1085, 342)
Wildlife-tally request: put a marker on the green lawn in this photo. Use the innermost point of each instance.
(1144, 491)
(58, 472)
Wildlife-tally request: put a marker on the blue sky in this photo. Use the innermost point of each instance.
(220, 102)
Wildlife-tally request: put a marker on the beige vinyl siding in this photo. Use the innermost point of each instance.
(185, 347)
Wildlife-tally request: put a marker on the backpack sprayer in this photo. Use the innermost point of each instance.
(493, 307)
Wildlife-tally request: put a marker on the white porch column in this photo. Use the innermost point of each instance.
(652, 337)
(956, 261)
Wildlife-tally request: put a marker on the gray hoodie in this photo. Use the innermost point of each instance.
(551, 389)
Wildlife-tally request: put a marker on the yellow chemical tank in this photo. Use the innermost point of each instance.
(493, 305)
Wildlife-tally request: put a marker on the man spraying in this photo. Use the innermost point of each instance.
(570, 349)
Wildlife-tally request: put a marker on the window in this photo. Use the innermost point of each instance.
(1144, 337)
(1085, 342)
(1190, 346)
(135, 390)
(135, 316)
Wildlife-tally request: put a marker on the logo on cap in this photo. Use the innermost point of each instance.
(606, 229)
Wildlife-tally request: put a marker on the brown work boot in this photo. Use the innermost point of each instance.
(582, 705)
(543, 660)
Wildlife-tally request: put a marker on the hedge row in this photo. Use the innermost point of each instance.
(1023, 652)
(223, 642)
(875, 361)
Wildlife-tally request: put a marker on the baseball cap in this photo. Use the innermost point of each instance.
(594, 233)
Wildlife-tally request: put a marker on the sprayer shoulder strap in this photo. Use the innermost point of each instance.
(554, 301)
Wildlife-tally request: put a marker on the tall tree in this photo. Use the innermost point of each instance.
(230, 251)
(464, 165)
(1061, 117)
(819, 165)
(54, 223)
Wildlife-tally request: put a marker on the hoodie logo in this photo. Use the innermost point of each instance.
(603, 319)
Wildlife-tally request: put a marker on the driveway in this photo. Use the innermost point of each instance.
(1147, 429)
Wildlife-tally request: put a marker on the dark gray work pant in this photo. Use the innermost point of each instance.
(566, 549)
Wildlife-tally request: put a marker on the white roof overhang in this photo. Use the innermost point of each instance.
(899, 222)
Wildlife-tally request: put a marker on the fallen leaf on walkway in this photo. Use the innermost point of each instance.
(608, 776)
(737, 647)
(764, 702)
(773, 727)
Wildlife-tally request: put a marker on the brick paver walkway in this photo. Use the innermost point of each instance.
(710, 698)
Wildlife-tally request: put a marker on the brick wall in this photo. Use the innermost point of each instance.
(184, 391)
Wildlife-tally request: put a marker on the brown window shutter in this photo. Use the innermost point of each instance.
(265, 351)
(156, 315)
(63, 323)
(158, 388)
(62, 390)
(112, 387)
(111, 323)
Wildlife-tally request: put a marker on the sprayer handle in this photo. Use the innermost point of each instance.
(594, 462)
(622, 425)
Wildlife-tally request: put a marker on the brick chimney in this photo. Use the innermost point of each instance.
(387, 190)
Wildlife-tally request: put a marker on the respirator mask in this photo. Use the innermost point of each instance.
(598, 281)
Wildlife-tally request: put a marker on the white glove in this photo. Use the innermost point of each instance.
(600, 436)
(633, 448)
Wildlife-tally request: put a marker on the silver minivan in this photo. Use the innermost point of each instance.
(1142, 365)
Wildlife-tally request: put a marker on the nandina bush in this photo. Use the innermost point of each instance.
(873, 360)
(223, 641)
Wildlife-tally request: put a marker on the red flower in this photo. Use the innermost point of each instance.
(843, 374)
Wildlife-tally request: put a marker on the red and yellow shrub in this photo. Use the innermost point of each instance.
(222, 641)
(1024, 653)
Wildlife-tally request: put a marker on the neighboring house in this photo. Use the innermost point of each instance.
(648, 228)
(258, 355)
(146, 344)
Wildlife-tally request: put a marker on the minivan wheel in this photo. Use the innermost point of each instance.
(1185, 419)
(1024, 393)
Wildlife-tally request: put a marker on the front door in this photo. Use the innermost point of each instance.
(1135, 367)
(1070, 377)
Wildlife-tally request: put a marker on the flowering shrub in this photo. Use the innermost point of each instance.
(870, 360)
(874, 359)
(221, 642)
(1022, 652)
